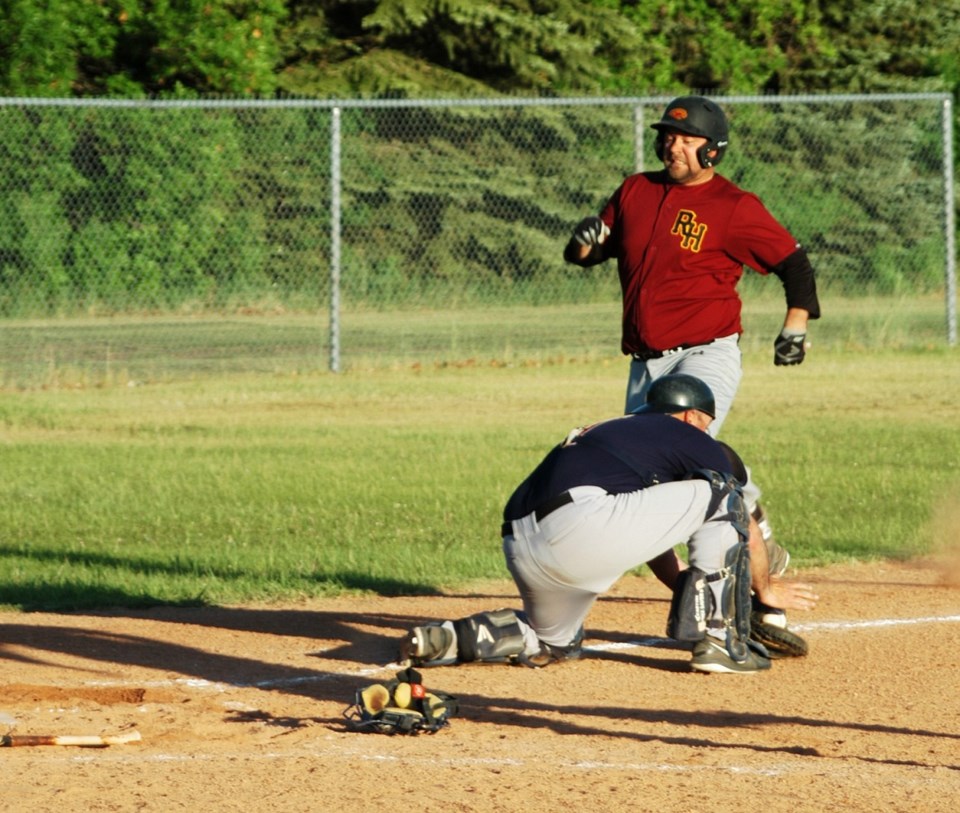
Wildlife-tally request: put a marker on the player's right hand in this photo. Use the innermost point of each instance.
(591, 231)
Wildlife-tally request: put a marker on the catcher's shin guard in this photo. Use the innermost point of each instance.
(735, 602)
(719, 601)
(430, 645)
(692, 605)
(492, 636)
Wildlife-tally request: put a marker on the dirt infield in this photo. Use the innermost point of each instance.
(240, 708)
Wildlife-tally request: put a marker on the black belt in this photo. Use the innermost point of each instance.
(646, 355)
(542, 511)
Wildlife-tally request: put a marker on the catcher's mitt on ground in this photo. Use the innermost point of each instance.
(401, 706)
(779, 641)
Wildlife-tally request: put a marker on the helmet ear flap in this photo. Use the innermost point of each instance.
(703, 154)
(715, 147)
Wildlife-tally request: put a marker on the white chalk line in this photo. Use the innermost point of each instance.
(817, 626)
(831, 626)
(333, 750)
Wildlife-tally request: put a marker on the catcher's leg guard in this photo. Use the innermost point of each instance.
(734, 601)
(691, 607)
(727, 616)
(492, 636)
(726, 645)
(718, 602)
(430, 645)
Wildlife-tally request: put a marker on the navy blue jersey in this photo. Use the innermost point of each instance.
(620, 455)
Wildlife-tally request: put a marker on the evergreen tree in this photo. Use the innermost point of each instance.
(458, 47)
(133, 47)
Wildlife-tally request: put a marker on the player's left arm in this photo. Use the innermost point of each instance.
(758, 240)
(800, 287)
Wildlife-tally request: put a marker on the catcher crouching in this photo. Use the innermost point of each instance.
(611, 497)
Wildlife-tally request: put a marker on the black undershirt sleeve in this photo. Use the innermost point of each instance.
(799, 282)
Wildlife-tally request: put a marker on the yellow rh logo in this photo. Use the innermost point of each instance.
(691, 233)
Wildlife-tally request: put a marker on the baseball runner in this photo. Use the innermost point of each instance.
(609, 498)
(681, 237)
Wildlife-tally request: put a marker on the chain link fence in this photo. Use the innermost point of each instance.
(143, 240)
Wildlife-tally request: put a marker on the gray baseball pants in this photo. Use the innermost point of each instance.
(577, 552)
(718, 365)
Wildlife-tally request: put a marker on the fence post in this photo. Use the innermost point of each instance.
(950, 221)
(638, 138)
(335, 240)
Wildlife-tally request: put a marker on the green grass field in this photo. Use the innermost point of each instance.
(109, 351)
(239, 487)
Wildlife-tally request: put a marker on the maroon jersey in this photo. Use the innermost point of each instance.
(680, 253)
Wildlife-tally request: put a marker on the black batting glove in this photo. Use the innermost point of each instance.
(591, 231)
(789, 348)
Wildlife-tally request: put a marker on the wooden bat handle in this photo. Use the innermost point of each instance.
(21, 740)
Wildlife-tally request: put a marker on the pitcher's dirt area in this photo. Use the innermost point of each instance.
(240, 709)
